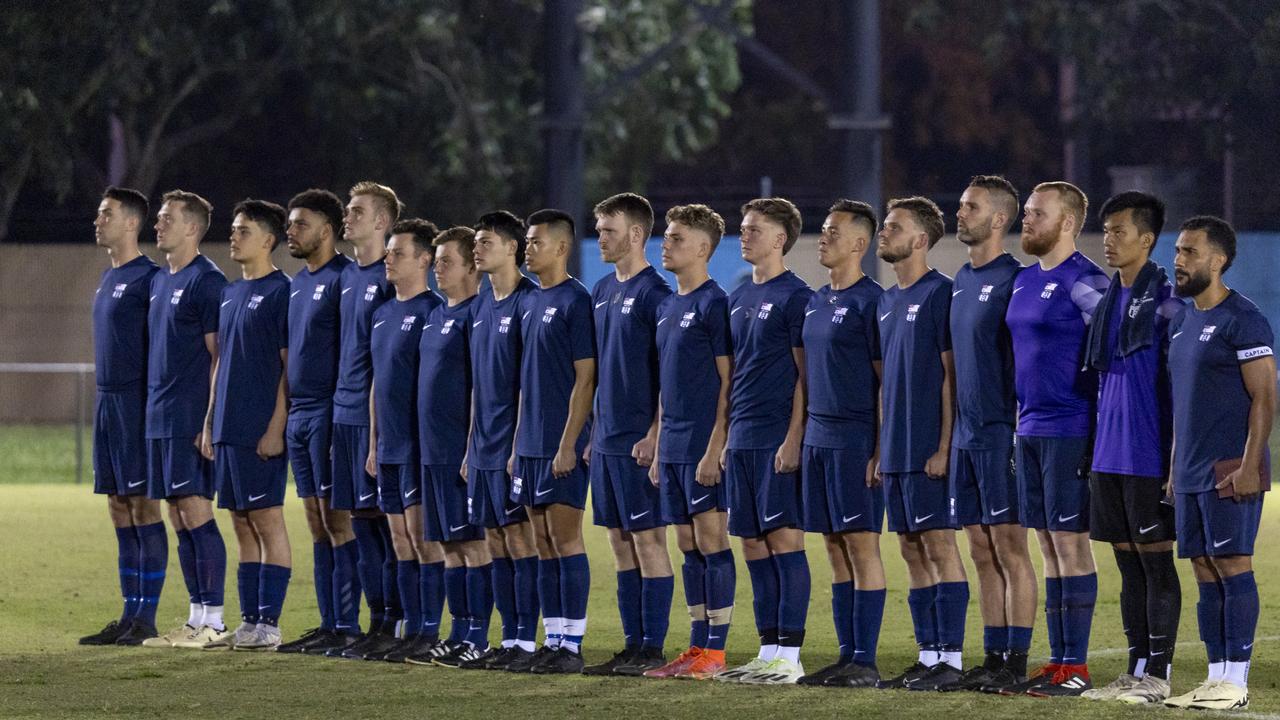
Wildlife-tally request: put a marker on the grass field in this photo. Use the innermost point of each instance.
(57, 566)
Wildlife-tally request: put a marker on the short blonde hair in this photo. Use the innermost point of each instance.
(1073, 199)
(385, 196)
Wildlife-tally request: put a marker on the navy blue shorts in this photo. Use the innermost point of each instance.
(1053, 482)
(307, 440)
(120, 443)
(246, 481)
(760, 500)
(533, 485)
(1210, 526)
(916, 502)
(836, 496)
(621, 494)
(984, 485)
(175, 468)
(398, 487)
(489, 502)
(353, 488)
(444, 505)
(683, 496)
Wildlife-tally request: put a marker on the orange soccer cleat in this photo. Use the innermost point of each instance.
(707, 664)
(677, 666)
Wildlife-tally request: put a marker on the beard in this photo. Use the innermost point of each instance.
(1188, 285)
(892, 255)
(304, 249)
(1039, 245)
(974, 234)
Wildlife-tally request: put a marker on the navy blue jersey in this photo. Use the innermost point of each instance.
(914, 332)
(444, 384)
(313, 338)
(557, 333)
(393, 349)
(496, 344)
(693, 330)
(1210, 404)
(986, 407)
(841, 341)
(120, 307)
(626, 315)
(364, 288)
(184, 308)
(253, 327)
(767, 322)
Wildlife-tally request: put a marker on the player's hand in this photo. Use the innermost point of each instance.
(1245, 483)
(270, 445)
(586, 454)
(709, 471)
(724, 456)
(371, 463)
(873, 471)
(643, 451)
(204, 443)
(564, 462)
(462, 469)
(511, 465)
(654, 478)
(787, 459)
(936, 466)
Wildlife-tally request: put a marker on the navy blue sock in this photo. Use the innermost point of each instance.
(247, 577)
(369, 564)
(575, 584)
(479, 592)
(793, 606)
(346, 587)
(549, 599)
(1212, 628)
(504, 596)
(842, 616)
(390, 570)
(273, 583)
(1019, 639)
(528, 597)
(1240, 615)
(455, 591)
(322, 558)
(721, 583)
(211, 563)
(187, 561)
(431, 590)
(995, 639)
(1079, 594)
(153, 543)
(129, 562)
(924, 619)
(764, 598)
(629, 590)
(951, 605)
(410, 595)
(868, 612)
(1053, 618)
(694, 571)
(656, 603)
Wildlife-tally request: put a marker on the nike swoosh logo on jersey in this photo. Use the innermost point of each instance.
(424, 327)
(366, 497)
(136, 484)
(295, 292)
(807, 313)
(1216, 544)
(379, 323)
(602, 302)
(476, 323)
(178, 485)
(224, 303)
(1001, 511)
(1015, 291)
(346, 290)
(540, 493)
(1069, 517)
(956, 292)
(1176, 334)
(256, 498)
(662, 321)
(456, 529)
(851, 519)
(526, 314)
(704, 497)
(637, 517)
(1145, 530)
(411, 492)
(153, 297)
(735, 309)
(926, 517)
(771, 518)
(882, 317)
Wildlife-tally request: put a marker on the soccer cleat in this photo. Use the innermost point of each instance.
(734, 675)
(461, 654)
(525, 662)
(265, 637)
(503, 659)
(913, 671)
(1222, 695)
(1112, 690)
(204, 636)
(933, 681)
(622, 657)
(854, 676)
(820, 677)
(1150, 690)
(1185, 699)
(778, 671)
(409, 648)
(138, 632)
(335, 643)
(481, 661)
(707, 665)
(227, 640)
(107, 635)
(560, 662)
(1042, 674)
(645, 660)
(971, 680)
(168, 639)
(1068, 681)
(673, 669)
(399, 645)
(375, 642)
(311, 636)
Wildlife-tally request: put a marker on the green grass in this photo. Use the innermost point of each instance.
(43, 454)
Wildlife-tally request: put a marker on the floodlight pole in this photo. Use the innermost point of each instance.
(562, 160)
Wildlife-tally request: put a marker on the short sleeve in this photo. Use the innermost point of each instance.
(716, 317)
(1251, 336)
(581, 329)
(1087, 292)
(941, 301)
(871, 328)
(282, 317)
(796, 305)
(653, 300)
(208, 290)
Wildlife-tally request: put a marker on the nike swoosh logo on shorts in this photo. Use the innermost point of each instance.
(602, 302)
(771, 518)
(540, 493)
(1001, 511)
(411, 492)
(1145, 530)
(256, 498)
(1069, 517)
(926, 517)
(456, 529)
(325, 487)
(136, 484)
(851, 519)
(637, 517)
(1224, 542)
(511, 511)
(366, 497)
(704, 497)
(178, 485)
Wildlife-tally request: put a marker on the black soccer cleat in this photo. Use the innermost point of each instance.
(820, 677)
(559, 662)
(505, 658)
(854, 676)
(136, 632)
(107, 635)
(619, 659)
(525, 662)
(336, 643)
(375, 642)
(410, 647)
(938, 675)
(972, 679)
(1068, 681)
(464, 652)
(644, 660)
(913, 671)
(308, 638)
(380, 655)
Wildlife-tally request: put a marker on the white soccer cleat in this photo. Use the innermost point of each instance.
(778, 671)
(733, 675)
(1223, 695)
(1150, 690)
(229, 639)
(171, 638)
(1185, 699)
(264, 637)
(1113, 690)
(201, 638)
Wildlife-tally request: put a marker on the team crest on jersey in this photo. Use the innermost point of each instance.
(687, 319)
(627, 305)
(1136, 303)
(370, 292)
(1048, 290)
(549, 314)
(176, 297)
(765, 308)
(448, 325)
(118, 292)
(504, 324)
(1206, 332)
(985, 294)
(406, 323)
(838, 317)
(912, 311)
(255, 301)
(319, 292)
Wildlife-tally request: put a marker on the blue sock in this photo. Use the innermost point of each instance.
(390, 570)
(868, 612)
(924, 619)
(273, 583)
(575, 584)
(842, 616)
(951, 606)
(995, 639)
(1053, 618)
(455, 591)
(407, 587)
(528, 594)
(1079, 594)
(629, 607)
(187, 561)
(322, 558)
(1240, 615)
(211, 563)
(431, 589)
(369, 564)
(129, 562)
(764, 598)
(793, 606)
(1209, 615)
(549, 599)
(479, 592)
(153, 543)
(721, 582)
(504, 596)
(1019, 640)
(694, 571)
(247, 577)
(656, 602)
(346, 588)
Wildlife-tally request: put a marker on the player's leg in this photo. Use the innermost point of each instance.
(407, 581)
(346, 586)
(786, 549)
(248, 578)
(1109, 523)
(276, 568)
(129, 564)
(973, 507)
(950, 604)
(153, 550)
(297, 436)
(1153, 529)
(922, 594)
(1009, 541)
(863, 550)
(607, 511)
(819, 514)
(549, 598)
(520, 545)
(841, 608)
(720, 582)
(479, 597)
(640, 514)
(563, 528)
(355, 492)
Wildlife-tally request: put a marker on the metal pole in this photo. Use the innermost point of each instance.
(79, 427)
(562, 123)
(856, 115)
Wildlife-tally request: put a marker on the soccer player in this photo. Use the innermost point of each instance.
(495, 374)
(981, 463)
(120, 307)
(766, 422)
(1052, 304)
(1128, 347)
(842, 497)
(695, 365)
(244, 426)
(557, 381)
(371, 212)
(393, 436)
(314, 225)
(182, 345)
(1222, 370)
(624, 431)
(918, 411)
